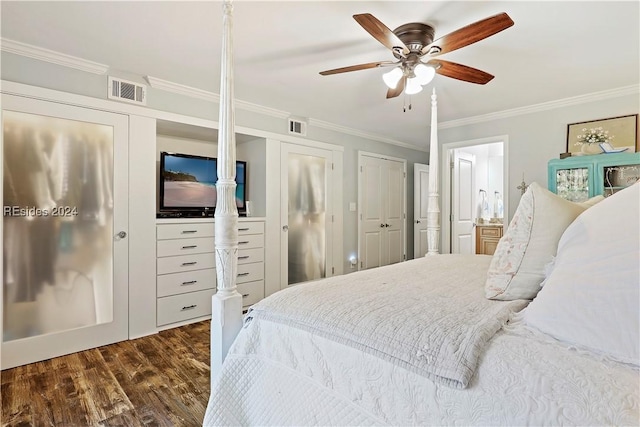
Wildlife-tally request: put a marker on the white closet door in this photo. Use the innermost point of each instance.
(382, 192)
(306, 212)
(65, 276)
(373, 191)
(395, 208)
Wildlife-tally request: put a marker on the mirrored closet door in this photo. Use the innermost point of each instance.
(63, 230)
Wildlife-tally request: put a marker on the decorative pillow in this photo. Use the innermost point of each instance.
(591, 298)
(530, 242)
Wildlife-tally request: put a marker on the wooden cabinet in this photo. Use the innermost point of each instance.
(186, 270)
(579, 178)
(487, 238)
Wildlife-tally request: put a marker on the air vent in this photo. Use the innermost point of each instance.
(297, 127)
(127, 91)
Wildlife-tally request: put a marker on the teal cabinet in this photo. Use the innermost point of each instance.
(579, 178)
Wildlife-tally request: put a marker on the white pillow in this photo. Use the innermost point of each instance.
(530, 242)
(591, 298)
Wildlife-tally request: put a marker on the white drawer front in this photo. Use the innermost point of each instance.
(178, 264)
(250, 241)
(185, 246)
(250, 227)
(189, 281)
(185, 230)
(246, 256)
(250, 272)
(184, 306)
(251, 292)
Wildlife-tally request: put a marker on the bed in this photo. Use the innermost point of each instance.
(384, 346)
(544, 332)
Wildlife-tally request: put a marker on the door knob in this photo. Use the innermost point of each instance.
(417, 221)
(387, 225)
(381, 225)
(285, 228)
(121, 235)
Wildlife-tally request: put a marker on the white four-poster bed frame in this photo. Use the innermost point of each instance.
(226, 319)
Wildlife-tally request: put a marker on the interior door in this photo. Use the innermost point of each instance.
(372, 193)
(65, 276)
(382, 216)
(394, 211)
(462, 201)
(306, 213)
(420, 204)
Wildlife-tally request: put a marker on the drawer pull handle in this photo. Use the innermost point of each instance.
(185, 264)
(245, 295)
(190, 247)
(190, 282)
(189, 307)
(243, 229)
(243, 242)
(189, 231)
(244, 257)
(243, 274)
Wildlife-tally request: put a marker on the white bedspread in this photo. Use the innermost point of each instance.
(279, 375)
(427, 315)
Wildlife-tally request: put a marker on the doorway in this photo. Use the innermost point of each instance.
(473, 190)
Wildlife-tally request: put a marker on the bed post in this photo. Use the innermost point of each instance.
(226, 315)
(433, 206)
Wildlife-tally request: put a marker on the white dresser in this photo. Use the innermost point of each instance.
(186, 274)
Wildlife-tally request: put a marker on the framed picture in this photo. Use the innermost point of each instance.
(620, 132)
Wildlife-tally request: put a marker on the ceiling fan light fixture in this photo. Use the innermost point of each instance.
(413, 86)
(392, 78)
(424, 73)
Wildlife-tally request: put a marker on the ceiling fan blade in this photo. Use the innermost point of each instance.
(380, 32)
(460, 72)
(472, 33)
(392, 93)
(358, 67)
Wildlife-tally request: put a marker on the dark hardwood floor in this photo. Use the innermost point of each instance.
(159, 380)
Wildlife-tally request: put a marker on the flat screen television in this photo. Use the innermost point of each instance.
(187, 184)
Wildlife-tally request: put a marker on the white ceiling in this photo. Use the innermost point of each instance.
(555, 50)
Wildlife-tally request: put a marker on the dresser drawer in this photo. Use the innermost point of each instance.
(490, 231)
(250, 241)
(251, 292)
(181, 307)
(250, 227)
(185, 246)
(250, 272)
(246, 256)
(180, 231)
(178, 264)
(189, 281)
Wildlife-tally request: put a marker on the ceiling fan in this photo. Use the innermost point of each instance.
(414, 48)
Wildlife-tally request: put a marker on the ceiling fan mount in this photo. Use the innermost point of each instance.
(415, 49)
(415, 35)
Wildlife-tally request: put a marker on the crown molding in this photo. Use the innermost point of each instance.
(544, 106)
(51, 56)
(193, 92)
(180, 89)
(361, 134)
